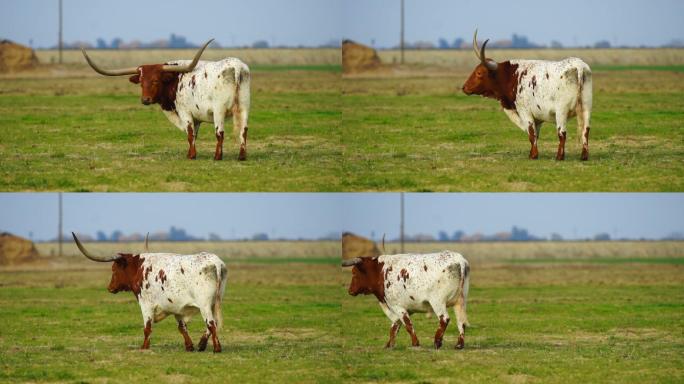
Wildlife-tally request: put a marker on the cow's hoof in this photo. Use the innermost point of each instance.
(585, 155)
(459, 346)
(217, 349)
(219, 157)
(560, 157)
(438, 344)
(242, 157)
(189, 348)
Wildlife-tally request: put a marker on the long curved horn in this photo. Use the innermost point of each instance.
(109, 72)
(88, 255)
(383, 244)
(490, 64)
(350, 262)
(189, 67)
(475, 47)
(147, 237)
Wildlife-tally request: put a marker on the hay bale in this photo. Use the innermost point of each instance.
(16, 250)
(15, 57)
(357, 246)
(358, 58)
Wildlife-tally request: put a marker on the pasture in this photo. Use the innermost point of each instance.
(281, 324)
(66, 128)
(537, 319)
(600, 316)
(411, 128)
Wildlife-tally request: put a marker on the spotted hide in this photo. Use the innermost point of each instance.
(408, 283)
(191, 92)
(171, 284)
(534, 91)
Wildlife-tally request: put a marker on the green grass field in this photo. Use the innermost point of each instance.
(92, 134)
(419, 132)
(410, 130)
(603, 319)
(569, 323)
(62, 325)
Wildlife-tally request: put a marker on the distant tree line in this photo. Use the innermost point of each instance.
(176, 42)
(517, 42)
(515, 234)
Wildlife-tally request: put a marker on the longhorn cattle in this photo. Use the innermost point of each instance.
(534, 91)
(191, 92)
(408, 283)
(170, 284)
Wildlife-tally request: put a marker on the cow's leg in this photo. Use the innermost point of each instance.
(395, 319)
(586, 117)
(561, 130)
(202, 345)
(409, 328)
(147, 332)
(192, 130)
(240, 117)
(394, 329)
(533, 135)
(219, 118)
(183, 329)
(211, 330)
(460, 310)
(443, 316)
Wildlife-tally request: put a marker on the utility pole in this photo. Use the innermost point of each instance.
(59, 230)
(401, 44)
(401, 225)
(60, 61)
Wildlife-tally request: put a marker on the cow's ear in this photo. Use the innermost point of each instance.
(167, 77)
(135, 79)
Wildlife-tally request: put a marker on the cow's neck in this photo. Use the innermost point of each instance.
(507, 84)
(134, 270)
(167, 101)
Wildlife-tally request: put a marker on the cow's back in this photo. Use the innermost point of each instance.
(211, 85)
(173, 282)
(413, 280)
(546, 87)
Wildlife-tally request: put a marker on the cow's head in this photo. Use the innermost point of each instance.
(483, 79)
(156, 80)
(366, 275)
(126, 268)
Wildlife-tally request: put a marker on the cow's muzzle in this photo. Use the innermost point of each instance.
(146, 100)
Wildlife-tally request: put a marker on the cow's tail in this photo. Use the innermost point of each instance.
(221, 280)
(462, 299)
(585, 99)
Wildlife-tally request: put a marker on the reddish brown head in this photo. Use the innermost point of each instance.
(126, 269)
(367, 277)
(158, 86)
(492, 79)
(126, 274)
(483, 79)
(158, 81)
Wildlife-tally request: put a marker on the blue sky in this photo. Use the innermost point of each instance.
(295, 215)
(577, 22)
(313, 22)
(293, 22)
